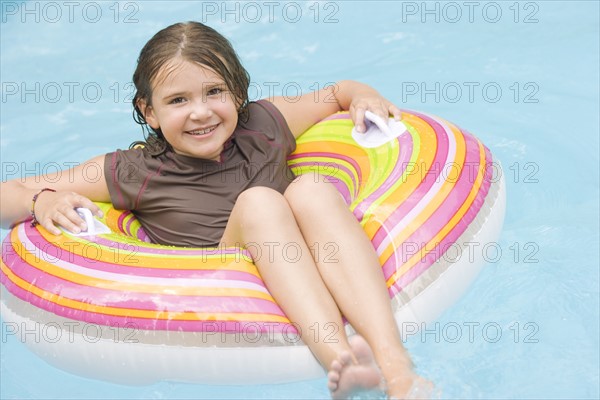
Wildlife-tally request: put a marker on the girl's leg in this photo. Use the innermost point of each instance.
(262, 217)
(353, 274)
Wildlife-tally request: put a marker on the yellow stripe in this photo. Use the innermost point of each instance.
(111, 218)
(337, 130)
(131, 257)
(411, 179)
(128, 312)
(436, 201)
(381, 161)
(457, 217)
(117, 286)
(316, 142)
(332, 170)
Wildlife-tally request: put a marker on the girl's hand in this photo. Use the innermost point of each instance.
(59, 208)
(376, 104)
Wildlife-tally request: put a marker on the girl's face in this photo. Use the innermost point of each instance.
(193, 108)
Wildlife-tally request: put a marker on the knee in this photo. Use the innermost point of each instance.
(311, 191)
(256, 209)
(258, 202)
(305, 185)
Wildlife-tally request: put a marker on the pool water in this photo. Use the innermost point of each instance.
(522, 76)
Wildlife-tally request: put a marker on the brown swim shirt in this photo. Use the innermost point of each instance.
(186, 201)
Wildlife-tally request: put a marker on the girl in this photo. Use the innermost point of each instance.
(213, 172)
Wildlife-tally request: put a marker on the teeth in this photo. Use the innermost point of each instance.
(202, 131)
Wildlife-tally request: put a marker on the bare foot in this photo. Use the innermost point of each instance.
(423, 389)
(412, 387)
(348, 378)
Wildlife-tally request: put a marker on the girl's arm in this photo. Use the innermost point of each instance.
(301, 113)
(76, 187)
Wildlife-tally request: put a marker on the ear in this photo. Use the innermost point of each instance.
(148, 113)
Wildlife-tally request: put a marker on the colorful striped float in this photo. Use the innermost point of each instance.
(117, 308)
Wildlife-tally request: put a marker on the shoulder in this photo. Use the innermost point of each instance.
(264, 117)
(137, 159)
(138, 154)
(128, 173)
(261, 113)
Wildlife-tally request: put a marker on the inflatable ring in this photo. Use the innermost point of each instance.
(117, 308)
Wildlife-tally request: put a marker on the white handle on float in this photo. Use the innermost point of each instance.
(86, 214)
(377, 120)
(94, 227)
(379, 132)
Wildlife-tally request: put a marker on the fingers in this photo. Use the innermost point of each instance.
(50, 227)
(90, 205)
(378, 106)
(71, 221)
(359, 119)
(395, 111)
(59, 208)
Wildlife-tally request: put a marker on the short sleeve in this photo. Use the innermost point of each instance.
(269, 120)
(126, 173)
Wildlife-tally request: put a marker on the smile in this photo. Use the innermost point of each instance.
(200, 132)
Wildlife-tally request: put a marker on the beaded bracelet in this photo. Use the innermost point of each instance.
(34, 220)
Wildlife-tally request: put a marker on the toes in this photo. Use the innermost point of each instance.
(346, 358)
(333, 376)
(336, 366)
(333, 379)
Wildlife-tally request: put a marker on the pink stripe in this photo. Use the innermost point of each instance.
(338, 183)
(166, 252)
(344, 191)
(343, 115)
(324, 166)
(126, 230)
(143, 236)
(128, 226)
(334, 156)
(137, 300)
(134, 269)
(456, 200)
(446, 210)
(413, 199)
(122, 217)
(405, 152)
(147, 323)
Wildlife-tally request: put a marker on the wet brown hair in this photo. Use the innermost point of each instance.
(193, 42)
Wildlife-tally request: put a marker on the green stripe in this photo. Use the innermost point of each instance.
(416, 138)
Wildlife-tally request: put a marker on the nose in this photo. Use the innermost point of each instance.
(200, 110)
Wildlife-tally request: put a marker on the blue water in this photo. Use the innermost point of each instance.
(523, 76)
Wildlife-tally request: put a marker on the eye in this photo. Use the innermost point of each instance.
(177, 100)
(214, 91)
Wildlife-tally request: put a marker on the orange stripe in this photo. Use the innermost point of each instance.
(131, 257)
(413, 180)
(438, 199)
(128, 312)
(117, 286)
(451, 224)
